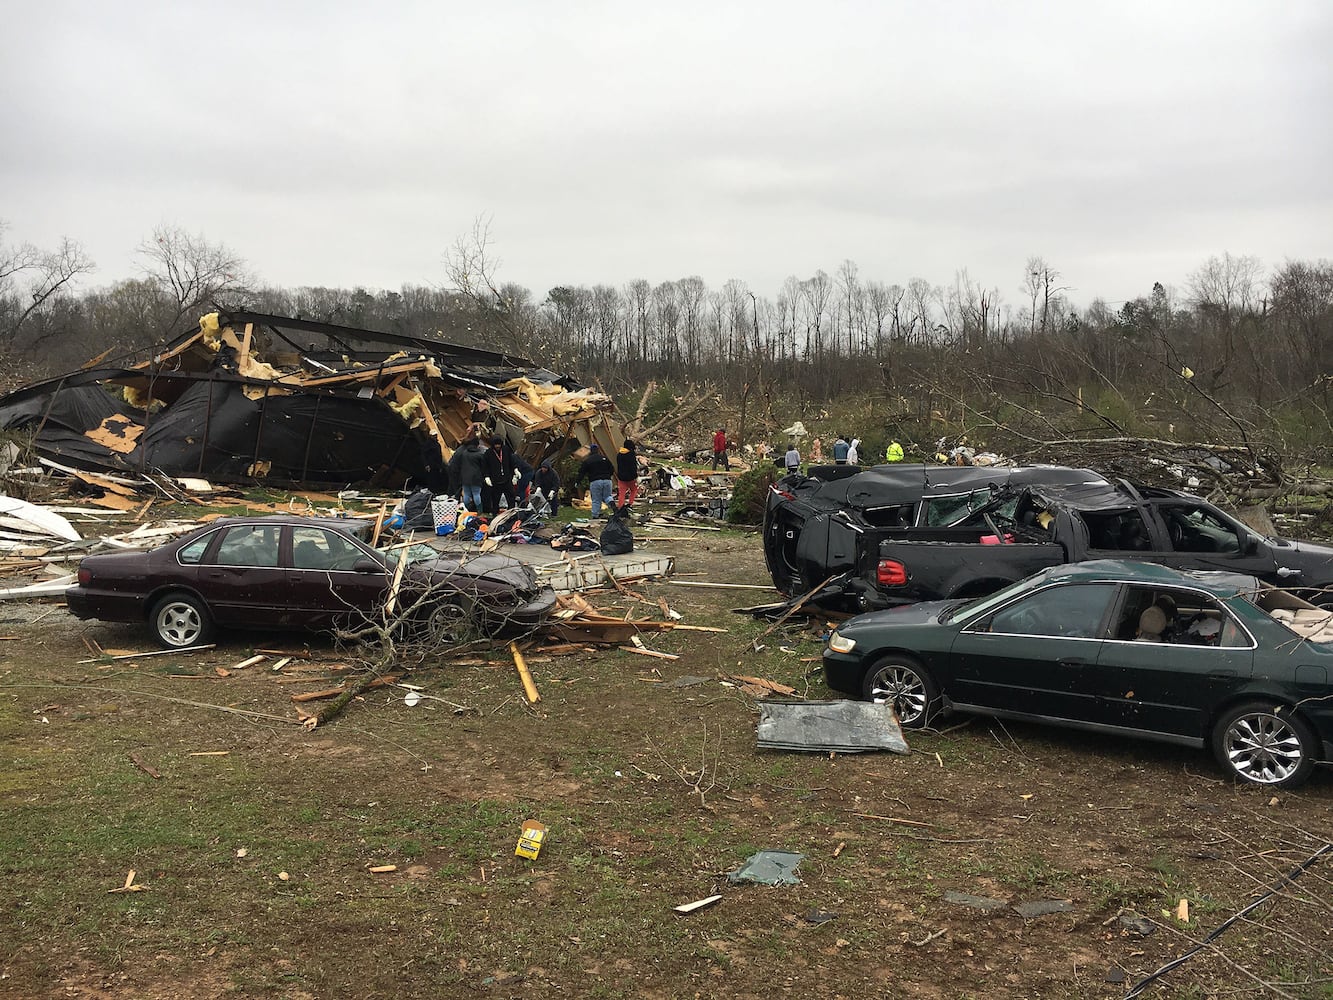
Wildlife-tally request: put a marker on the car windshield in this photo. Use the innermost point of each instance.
(983, 604)
(415, 553)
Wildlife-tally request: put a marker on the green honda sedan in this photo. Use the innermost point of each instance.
(1136, 649)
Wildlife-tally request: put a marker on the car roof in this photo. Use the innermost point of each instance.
(890, 484)
(1219, 584)
(346, 525)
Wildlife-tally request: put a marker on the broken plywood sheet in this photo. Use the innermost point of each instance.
(829, 726)
(117, 433)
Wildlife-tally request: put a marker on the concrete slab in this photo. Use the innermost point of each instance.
(572, 571)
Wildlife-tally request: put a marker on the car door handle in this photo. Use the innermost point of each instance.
(1072, 662)
(1222, 675)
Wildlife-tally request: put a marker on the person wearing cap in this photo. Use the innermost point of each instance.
(467, 470)
(598, 471)
(720, 449)
(547, 483)
(627, 475)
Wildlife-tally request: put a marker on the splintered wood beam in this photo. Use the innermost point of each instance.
(367, 374)
(644, 651)
(397, 582)
(529, 687)
(379, 524)
(244, 354)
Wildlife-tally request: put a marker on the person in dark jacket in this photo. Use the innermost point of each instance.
(525, 474)
(467, 469)
(599, 472)
(501, 475)
(547, 481)
(627, 475)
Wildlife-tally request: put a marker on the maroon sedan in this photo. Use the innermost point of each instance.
(283, 572)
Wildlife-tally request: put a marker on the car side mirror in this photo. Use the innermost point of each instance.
(367, 565)
(1250, 546)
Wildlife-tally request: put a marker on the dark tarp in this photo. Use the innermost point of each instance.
(214, 430)
(338, 433)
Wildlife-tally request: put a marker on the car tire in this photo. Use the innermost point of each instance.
(181, 620)
(902, 682)
(450, 623)
(1260, 743)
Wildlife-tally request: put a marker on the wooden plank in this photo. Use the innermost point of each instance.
(368, 374)
(243, 356)
(156, 652)
(765, 684)
(643, 651)
(529, 686)
(146, 768)
(397, 583)
(699, 904)
(717, 586)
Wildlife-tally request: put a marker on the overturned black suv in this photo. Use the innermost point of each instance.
(896, 534)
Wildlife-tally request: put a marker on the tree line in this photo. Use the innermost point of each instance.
(1253, 341)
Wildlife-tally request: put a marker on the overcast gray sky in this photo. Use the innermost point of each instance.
(340, 143)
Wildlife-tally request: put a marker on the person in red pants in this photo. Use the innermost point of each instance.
(627, 475)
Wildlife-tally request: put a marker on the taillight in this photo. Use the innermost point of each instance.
(85, 576)
(783, 493)
(890, 573)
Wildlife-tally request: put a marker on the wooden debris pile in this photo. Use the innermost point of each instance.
(248, 396)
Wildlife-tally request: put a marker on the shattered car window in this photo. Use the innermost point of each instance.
(1200, 529)
(415, 553)
(943, 511)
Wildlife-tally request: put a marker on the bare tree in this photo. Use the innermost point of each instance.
(30, 278)
(1223, 291)
(1045, 294)
(190, 271)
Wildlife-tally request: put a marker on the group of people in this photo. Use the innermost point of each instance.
(600, 473)
(846, 451)
(486, 470)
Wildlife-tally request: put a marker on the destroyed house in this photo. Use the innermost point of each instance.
(247, 397)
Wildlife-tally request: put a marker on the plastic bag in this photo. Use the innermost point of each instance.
(616, 538)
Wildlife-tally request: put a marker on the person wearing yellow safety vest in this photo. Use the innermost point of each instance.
(894, 452)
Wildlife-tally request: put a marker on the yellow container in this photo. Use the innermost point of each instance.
(531, 840)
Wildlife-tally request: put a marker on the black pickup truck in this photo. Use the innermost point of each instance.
(905, 533)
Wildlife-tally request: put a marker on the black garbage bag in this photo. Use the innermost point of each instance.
(617, 539)
(416, 510)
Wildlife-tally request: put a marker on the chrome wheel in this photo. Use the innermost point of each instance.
(903, 686)
(1263, 748)
(181, 621)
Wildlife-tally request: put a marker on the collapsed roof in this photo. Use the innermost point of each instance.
(247, 396)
